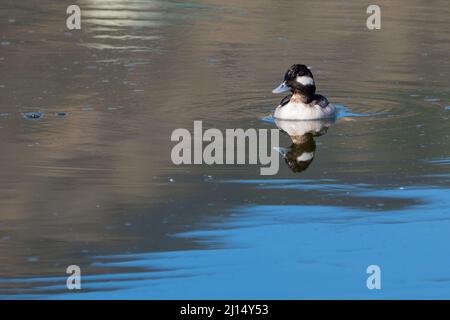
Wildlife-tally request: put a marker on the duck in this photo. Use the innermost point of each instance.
(303, 103)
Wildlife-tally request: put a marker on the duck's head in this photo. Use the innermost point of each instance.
(300, 154)
(299, 80)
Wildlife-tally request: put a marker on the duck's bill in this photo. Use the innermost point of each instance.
(281, 88)
(282, 151)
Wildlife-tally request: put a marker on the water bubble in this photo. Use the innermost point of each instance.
(208, 178)
(32, 259)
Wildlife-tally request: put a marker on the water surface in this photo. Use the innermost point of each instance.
(85, 169)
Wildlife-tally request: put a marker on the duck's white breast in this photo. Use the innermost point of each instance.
(300, 111)
(298, 128)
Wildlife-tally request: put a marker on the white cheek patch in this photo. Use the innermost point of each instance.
(305, 156)
(306, 81)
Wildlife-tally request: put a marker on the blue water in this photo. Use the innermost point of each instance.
(295, 251)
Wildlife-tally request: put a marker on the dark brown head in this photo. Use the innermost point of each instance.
(299, 80)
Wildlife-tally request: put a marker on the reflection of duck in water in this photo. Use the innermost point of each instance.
(302, 150)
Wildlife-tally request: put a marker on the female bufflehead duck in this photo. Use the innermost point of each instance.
(303, 103)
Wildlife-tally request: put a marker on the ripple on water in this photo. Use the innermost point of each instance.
(101, 46)
(443, 162)
(345, 112)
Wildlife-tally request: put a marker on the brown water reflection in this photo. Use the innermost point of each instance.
(97, 181)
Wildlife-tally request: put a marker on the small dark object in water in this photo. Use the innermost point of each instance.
(61, 114)
(33, 115)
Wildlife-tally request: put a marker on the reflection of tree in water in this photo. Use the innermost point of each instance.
(302, 150)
